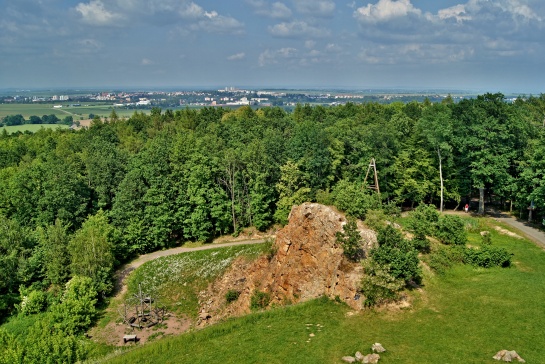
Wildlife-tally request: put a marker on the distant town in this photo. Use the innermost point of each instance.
(226, 97)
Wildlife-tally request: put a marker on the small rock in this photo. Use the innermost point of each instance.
(371, 358)
(349, 359)
(359, 356)
(311, 334)
(377, 347)
(484, 233)
(508, 356)
(499, 355)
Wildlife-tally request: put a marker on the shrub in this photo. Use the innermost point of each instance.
(398, 254)
(260, 300)
(423, 220)
(350, 240)
(77, 309)
(487, 256)
(450, 230)
(378, 285)
(421, 243)
(348, 197)
(232, 295)
(33, 302)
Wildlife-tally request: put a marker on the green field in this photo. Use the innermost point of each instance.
(464, 316)
(31, 127)
(77, 112)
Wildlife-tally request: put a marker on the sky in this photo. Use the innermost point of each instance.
(488, 45)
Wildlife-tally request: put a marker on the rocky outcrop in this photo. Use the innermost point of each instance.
(307, 263)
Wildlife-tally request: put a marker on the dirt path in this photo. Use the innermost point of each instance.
(122, 273)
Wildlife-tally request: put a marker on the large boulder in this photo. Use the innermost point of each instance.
(307, 263)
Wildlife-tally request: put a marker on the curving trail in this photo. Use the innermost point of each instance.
(122, 273)
(530, 232)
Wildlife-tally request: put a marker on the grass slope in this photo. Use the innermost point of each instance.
(463, 316)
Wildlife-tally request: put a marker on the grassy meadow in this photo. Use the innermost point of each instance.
(186, 275)
(77, 112)
(31, 127)
(465, 315)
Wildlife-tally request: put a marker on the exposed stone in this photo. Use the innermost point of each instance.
(508, 356)
(371, 358)
(349, 359)
(359, 356)
(499, 355)
(378, 348)
(308, 264)
(484, 233)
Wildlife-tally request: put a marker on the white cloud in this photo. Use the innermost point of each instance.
(184, 14)
(95, 13)
(237, 57)
(276, 10)
(457, 12)
(272, 57)
(146, 62)
(316, 8)
(385, 10)
(297, 29)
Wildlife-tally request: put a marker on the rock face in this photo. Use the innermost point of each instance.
(307, 264)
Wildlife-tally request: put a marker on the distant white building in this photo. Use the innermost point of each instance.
(143, 102)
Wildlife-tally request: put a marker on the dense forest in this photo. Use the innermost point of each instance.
(75, 204)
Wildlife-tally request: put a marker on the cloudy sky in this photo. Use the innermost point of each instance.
(489, 45)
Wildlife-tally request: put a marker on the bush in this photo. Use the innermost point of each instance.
(260, 300)
(421, 243)
(487, 256)
(232, 295)
(350, 240)
(423, 220)
(33, 302)
(349, 197)
(77, 309)
(378, 285)
(450, 230)
(398, 254)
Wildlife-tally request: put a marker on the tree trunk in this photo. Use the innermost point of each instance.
(441, 178)
(481, 200)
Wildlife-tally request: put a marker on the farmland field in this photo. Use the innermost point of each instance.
(77, 112)
(31, 127)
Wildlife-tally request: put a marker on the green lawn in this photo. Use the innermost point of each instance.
(31, 127)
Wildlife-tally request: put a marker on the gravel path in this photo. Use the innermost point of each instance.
(122, 273)
(536, 235)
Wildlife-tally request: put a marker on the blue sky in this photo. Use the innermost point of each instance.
(488, 45)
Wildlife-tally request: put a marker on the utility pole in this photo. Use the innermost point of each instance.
(372, 165)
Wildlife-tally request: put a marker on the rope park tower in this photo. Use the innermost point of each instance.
(141, 311)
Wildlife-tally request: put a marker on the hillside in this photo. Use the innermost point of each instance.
(464, 315)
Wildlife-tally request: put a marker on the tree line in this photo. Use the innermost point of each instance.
(77, 203)
(19, 119)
